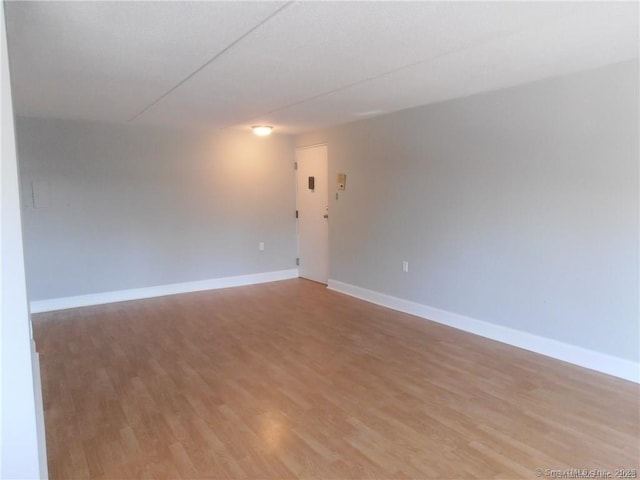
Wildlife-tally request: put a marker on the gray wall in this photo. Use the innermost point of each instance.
(134, 207)
(518, 207)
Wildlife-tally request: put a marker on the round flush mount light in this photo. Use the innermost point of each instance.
(262, 130)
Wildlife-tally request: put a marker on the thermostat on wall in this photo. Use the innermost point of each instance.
(342, 180)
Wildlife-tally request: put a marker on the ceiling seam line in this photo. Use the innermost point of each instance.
(389, 72)
(211, 60)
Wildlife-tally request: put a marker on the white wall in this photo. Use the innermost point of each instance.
(22, 428)
(517, 207)
(133, 207)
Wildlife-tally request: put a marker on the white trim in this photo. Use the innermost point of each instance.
(40, 426)
(583, 357)
(51, 304)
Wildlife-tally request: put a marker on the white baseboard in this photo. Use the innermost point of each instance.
(583, 357)
(41, 433)
(51, 304)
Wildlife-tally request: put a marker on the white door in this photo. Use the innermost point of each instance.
(313, 213)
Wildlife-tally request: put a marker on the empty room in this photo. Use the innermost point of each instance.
(320, 240)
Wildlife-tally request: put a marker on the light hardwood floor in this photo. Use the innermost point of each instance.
(290, 380)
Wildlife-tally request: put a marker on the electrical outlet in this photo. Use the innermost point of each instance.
(261, 246)
(405, 266)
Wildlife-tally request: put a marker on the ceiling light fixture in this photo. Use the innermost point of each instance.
(262, 130)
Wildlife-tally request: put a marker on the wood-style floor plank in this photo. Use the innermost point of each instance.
(290, 380)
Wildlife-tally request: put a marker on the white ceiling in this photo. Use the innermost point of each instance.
(296, 65)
